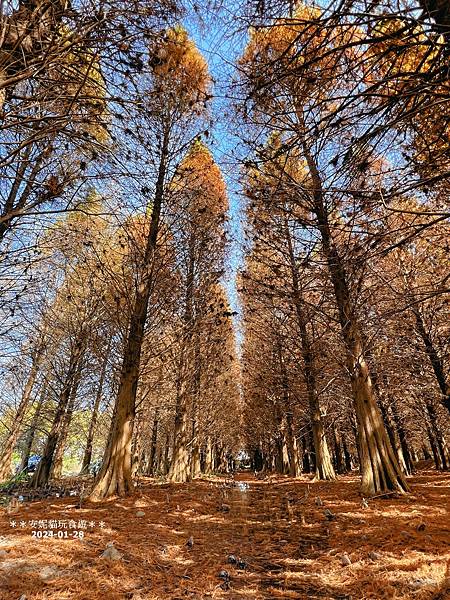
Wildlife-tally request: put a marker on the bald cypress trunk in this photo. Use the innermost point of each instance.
(195, 456)
(151, 466)
(115, 476)
(407, 455)
(393, 436)
(294, 464)
(42, 473)
(324, 467)
(11, 440)
(347, 457)
(380, 471)
(93, 423)
(309, 463)
(57, 465)
(33, 427)
(180, 468)
(435, 360)
(339, 458)
(209, 457)
(439, 444)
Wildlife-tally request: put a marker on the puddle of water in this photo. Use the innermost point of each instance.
(242, 486)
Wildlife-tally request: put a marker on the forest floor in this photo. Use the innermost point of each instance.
(175, 541)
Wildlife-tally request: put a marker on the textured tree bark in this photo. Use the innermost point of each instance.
(166, 464)
(309, 463)
(434, 449)
(324, 466)
(440, 444)
(348, 457)
(93, 423)
(407, 454)
(114, 477)
(180, 468)
(221, 460)
(33, 427)
(154, 440)
(294, 465)
(209, 457)
(393, 436)
(57, 464)
(435, 360)
(258, 459)
(42, 473)
(195, 461)
(339, 459)
(196, 383)
(380, 471)
(137, 460)
(9, 445)
(426, 453)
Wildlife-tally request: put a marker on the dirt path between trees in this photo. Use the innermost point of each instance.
(215, 538)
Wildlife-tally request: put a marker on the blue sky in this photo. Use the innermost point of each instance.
(222, 45)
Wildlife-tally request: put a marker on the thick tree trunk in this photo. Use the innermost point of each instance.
(153, 444)
(440, 444)
(42, 473)
(9, 445)
(407, 454)
(426, 454)
(209, 457)
(286, 457)
(115, 474)
(195, 462)
(435, 360)
(166, 463)
(348, 457)
(309, 462)
(291, 466)
(339, 458)
(221, 460)
(324, 466)
(137, 449)
(294, 465)
(380, 470)
(393, 436)
(57, 464)
(93, 424)
(180, 469)
(434, 449)
(33, 427)
(195, 455)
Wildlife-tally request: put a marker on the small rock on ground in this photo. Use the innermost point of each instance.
(111, 553)
(345, 560)
(49, 572)
(422, 582)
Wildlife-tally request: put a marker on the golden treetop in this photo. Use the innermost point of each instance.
(180, 71)
(291, 53)
(199, 177)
